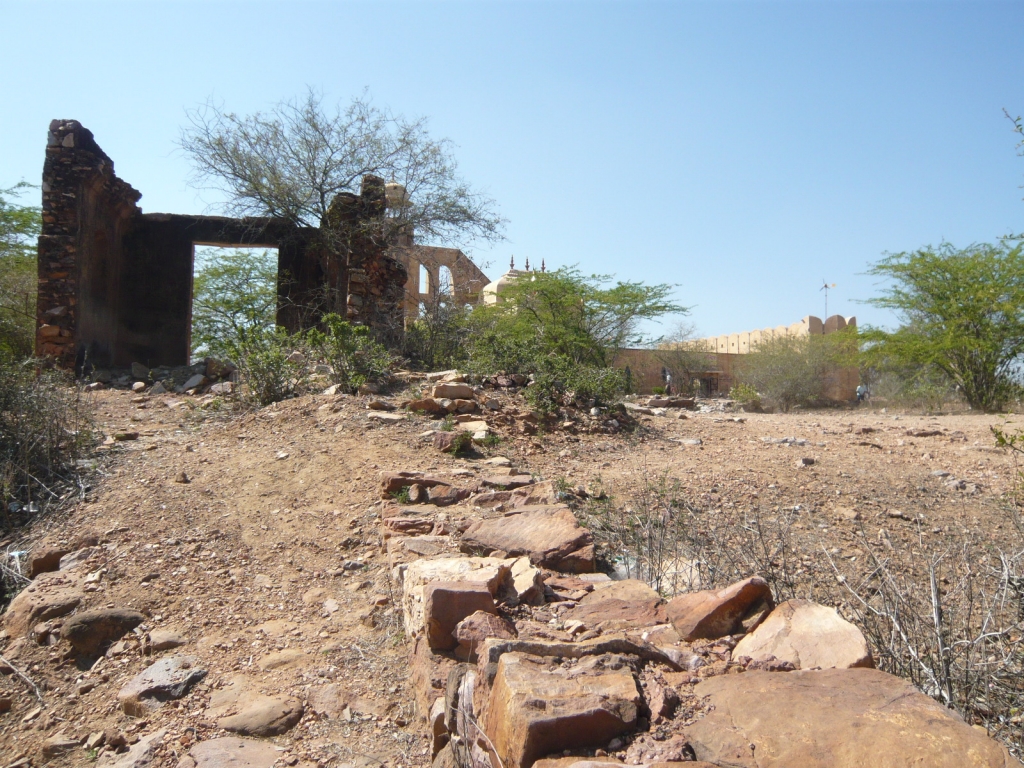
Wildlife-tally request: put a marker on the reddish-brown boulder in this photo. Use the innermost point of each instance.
(49, 596)
(833, 718)
(45, 559)
(549, 535)
(91, 632)
(712, 614)
(473, 630)
(537, 707)
(446, 603)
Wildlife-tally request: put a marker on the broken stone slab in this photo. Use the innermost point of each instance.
(167, 679)
(453, 391)
(57, 745)
(76, 558)
(385, 416)
(833, 718)
(232, 752)
(472, 631)
(626, 604)
(413, 578)
(392, 483)
(711, 614)
(264, 716)
(536, 707)
(49, 596)
(528, 582)
(506, 482)
(491, 651)
(142, 754)
(807, 635)
(549, 535)
(91, 632)
(446, 603)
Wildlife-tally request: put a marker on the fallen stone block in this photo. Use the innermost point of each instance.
(549, 535)
(473, 630)
(264, 716)
(446, 603)
(627, 604)
(536, 707)
(414, 577)
(453, 391)
(711, 614)
(807, 635)
(91, 632)
(232, 752)
(45, 560)
(833, 718)
(167, 679)
(49, 596)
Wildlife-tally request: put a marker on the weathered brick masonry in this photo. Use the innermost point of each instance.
(115, 284)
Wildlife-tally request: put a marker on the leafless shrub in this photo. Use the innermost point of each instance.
(951, 622)
(675, 545)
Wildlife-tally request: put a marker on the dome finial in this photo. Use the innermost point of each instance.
(527, 263)
(512, 263)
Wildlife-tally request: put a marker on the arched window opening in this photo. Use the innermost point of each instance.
(445, 285)
(424, 280)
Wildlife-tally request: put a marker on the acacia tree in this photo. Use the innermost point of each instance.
(570, 315)
(962, 314)
(234, 291)
(291, 161)
(19, 228)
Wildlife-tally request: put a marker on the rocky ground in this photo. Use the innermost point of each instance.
(254, 556)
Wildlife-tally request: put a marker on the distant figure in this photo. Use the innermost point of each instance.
(862, 393)
(668, 383)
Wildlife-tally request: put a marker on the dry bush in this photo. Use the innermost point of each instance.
(946, 613)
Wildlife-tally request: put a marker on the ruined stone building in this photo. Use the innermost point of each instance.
(115, 284)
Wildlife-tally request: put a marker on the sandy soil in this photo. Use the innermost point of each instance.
(279, 515)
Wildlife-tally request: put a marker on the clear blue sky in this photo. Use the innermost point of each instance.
(742, 150)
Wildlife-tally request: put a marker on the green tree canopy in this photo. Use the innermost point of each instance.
(234, 291)
(962, 313)
(19, 229)
(584, 319)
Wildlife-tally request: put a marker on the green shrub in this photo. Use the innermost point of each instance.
(561, 383)
(266, 373)
(354, 357)
(437, 340)
(658, 390)
(745, 394)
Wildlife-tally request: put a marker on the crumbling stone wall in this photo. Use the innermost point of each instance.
(87, 211)
(467, 280)
(115, 284)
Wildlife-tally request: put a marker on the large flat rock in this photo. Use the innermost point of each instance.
(537, 707)
(233, 752)
(170, 678)
(834, 718)
(808, 636)
(626, 604)
(549, 535)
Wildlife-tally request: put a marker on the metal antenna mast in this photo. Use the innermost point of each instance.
(825, 287)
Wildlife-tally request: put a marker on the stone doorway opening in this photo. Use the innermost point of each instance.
(234, 290)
